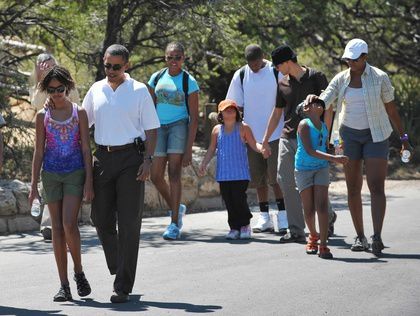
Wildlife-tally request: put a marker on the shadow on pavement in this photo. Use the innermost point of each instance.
(137, 305)
(8, 310)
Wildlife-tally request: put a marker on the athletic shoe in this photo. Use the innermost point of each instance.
(292, 237)
(331, 223)
(181, 212)
(47, 234)
(282, 223)
(63, 294)
(83, 286)
(245, 232)
(377, 245)
(120, 297)
(233, 234)
(360, 244)
(264, 224)
(172, 232)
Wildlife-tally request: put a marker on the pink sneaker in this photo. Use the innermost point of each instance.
(245, 232)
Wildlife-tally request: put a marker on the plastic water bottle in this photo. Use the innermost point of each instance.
(405, 156)
(36, 208)
(336, 141)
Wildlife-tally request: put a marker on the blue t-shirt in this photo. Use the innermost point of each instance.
(170, 97)
(304, 161)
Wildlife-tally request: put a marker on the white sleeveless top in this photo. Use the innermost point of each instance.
(355, 114)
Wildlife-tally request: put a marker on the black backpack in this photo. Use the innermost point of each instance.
(242, 75)
(185, 76)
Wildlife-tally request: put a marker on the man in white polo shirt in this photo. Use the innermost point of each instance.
(125, 135)
(254, 88)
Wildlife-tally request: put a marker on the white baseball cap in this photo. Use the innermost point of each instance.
(355, 48)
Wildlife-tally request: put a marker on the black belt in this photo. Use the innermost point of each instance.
(115, 148)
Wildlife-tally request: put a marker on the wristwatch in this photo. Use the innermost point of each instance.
(404, 137)
(149, 158)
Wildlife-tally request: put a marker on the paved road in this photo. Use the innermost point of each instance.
(204, 273)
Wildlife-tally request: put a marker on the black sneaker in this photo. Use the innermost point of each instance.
(120, 297)
(292, 237)
(377, 245)
(63, 294)
(47, 234)
(83, 287)
(331, 224)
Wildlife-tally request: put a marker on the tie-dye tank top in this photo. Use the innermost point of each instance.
(63, 151)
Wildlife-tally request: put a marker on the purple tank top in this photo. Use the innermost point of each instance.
(63, 151)
(232, 158)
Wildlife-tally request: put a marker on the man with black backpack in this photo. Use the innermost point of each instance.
(254, 89)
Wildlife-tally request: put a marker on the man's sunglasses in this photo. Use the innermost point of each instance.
(353, 60)
(115, 67)
(176, 58)
(59, 89)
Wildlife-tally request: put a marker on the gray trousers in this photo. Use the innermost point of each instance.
(286, 177)
(119, 200)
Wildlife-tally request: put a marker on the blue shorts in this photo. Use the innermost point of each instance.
(171, 138)
(358, 144)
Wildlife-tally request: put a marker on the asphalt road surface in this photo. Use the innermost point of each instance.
(204, 273)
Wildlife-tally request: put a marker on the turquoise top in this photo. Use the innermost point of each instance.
(319, 138)
(170, 97)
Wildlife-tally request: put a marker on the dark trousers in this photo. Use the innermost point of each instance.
(119, 197)
(235, 198)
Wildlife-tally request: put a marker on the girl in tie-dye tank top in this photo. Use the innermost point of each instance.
(62, 150)
(230, 138)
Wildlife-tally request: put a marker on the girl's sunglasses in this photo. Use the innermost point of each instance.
(176, 58)
(115, 67)
(59, 89)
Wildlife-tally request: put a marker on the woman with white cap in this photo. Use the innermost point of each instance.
(365, 106)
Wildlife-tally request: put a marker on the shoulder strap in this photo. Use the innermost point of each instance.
(276, 74)
(185, 77)
(242, 76)
(158, 76)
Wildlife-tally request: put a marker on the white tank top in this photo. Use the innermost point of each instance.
(355, 115)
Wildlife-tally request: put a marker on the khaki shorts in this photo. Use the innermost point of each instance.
(308, 178)
(57, 185)
(263, 171)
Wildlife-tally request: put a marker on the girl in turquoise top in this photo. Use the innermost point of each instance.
(175, 93)
(312, 175)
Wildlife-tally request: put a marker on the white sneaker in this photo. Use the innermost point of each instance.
(181, 212)
(264, 224)
(245, 232)
(233, 234)
(282, 223)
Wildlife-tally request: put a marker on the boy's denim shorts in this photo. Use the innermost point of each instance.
(171, 138)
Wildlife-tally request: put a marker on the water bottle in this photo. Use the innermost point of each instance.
(336, 141)
(405, 156)
(36, 209)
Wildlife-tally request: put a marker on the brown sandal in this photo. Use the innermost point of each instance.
(324, 252)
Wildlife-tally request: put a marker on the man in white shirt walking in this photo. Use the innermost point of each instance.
(254, 88)
(125, 135)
